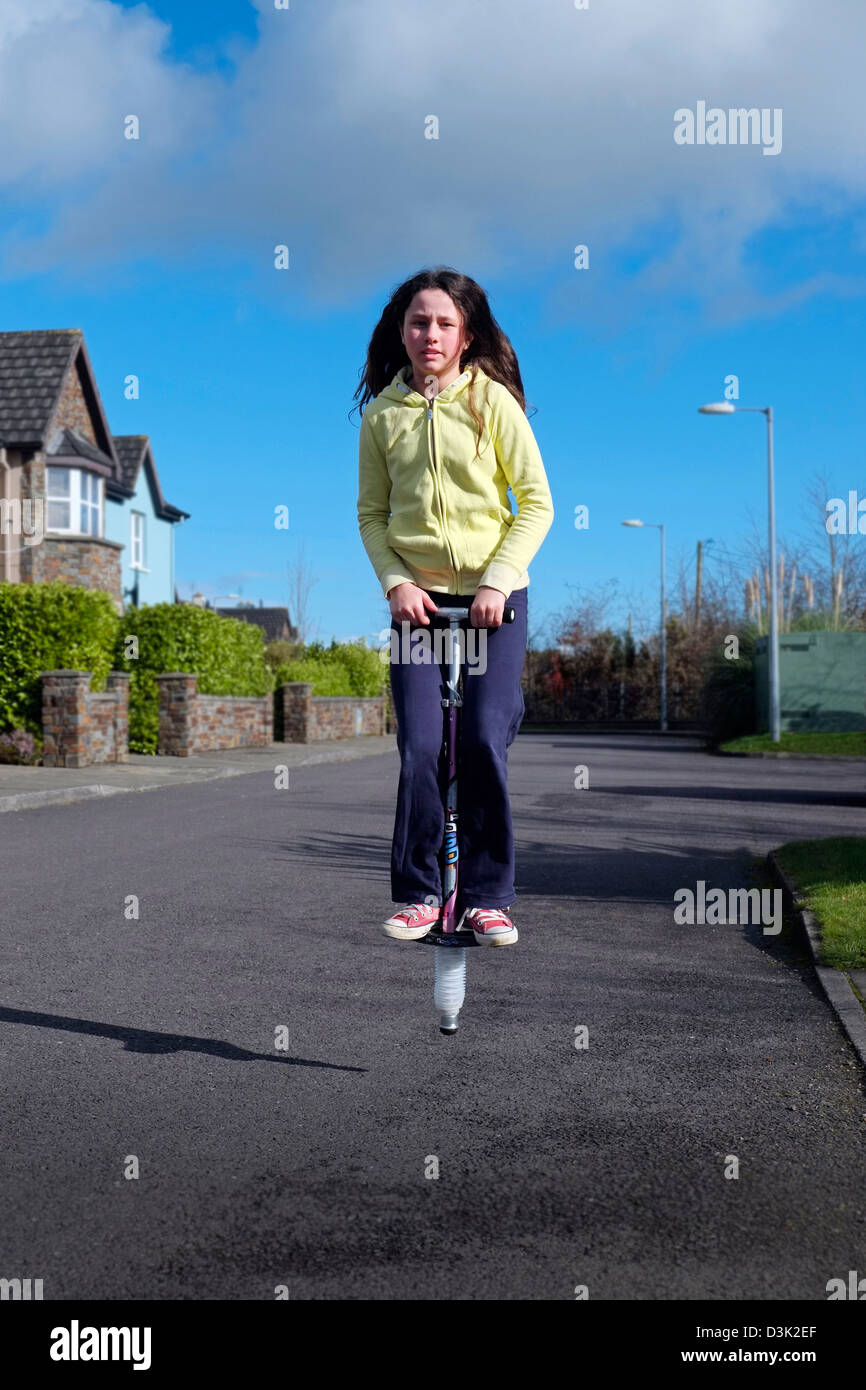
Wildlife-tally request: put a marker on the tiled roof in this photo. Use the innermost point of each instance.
(273, 620)
(32, 368)
(69, 443)
(130, 449)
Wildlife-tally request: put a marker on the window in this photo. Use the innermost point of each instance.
(89, 503)
(136, 540)
(57, 487)
(74, 501)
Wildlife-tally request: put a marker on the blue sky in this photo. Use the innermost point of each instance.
(306, 127)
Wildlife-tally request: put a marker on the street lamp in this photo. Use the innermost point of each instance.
(664, 673)
(726, 408)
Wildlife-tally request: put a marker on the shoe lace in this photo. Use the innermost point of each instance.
(415, 910)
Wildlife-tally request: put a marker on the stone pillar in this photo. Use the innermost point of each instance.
(65, 718)
(178, 725)
(118, 683)
(297, 711)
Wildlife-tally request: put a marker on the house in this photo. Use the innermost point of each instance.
(76, 503)
(274, 622)
(144, 522)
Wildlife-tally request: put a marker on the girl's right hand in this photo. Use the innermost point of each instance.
(408, 603)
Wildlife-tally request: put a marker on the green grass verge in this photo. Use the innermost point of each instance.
(831, 876)
(848, 745)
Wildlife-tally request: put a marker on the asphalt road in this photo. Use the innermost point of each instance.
(155, 1038)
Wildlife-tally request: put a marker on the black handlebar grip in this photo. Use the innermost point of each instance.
(508, 615)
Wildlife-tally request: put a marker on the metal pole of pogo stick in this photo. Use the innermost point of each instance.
(449, 961)
(449, 965)
(451, 701)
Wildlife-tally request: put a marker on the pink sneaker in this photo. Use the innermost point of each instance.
(412, 921)
(491, 926)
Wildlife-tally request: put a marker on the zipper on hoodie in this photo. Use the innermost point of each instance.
(431, 435)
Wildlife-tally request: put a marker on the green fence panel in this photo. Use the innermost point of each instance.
(822, 682)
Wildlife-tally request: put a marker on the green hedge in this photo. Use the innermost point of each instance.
(48, 627)
(226, 654)
(344, 668)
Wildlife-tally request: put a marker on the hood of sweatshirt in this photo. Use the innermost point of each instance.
(400, 389)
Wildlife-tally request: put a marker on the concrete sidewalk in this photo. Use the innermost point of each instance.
(22, 788)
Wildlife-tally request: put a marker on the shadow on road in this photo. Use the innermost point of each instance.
(143, 1040)
(792, 796)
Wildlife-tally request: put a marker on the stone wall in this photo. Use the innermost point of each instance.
(90, 564)
(308, 718)
(81, 726)
(193, 723)
(72, 411)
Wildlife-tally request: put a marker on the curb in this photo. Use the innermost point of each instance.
(835, 983)
(23, 801)
(60, 796)
(802, 757)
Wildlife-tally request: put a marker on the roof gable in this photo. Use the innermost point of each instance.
(47, 384)
(49, 400)
(134, 452)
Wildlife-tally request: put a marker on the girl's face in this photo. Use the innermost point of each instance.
(433, 336)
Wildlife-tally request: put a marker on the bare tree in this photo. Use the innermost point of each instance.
(581, 618)
(300, 582)
(842, 587)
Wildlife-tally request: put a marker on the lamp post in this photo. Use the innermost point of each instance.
(726, 408)
(664, 672)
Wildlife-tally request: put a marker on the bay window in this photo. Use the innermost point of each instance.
(73, 501)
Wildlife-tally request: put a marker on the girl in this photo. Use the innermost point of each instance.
(444, 437)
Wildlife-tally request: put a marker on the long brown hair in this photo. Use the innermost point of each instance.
(490, 349)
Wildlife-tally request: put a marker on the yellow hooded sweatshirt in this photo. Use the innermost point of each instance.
(433, 513)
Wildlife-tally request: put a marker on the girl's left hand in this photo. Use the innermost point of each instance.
(487, 607)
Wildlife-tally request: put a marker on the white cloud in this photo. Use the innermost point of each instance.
(556, 127)
(70, 72)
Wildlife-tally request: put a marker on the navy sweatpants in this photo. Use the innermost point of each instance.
(489, 719)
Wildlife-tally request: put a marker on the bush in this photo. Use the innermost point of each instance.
(344, 668)
(729, 693)
(20, 746)
(365, 671)
(48, 627)
(226, 654)
(280, 653)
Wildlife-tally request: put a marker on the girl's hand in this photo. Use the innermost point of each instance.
(408, 603)
(487, 607)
